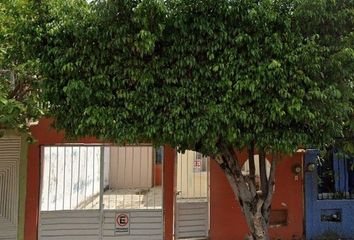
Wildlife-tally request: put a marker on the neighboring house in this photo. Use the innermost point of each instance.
(329, 195)
(13, 170)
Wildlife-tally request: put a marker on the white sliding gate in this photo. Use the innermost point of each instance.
(10, 148)
(85, 197)
(192, 205)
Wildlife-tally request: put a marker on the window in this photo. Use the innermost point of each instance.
(159, 155)
(335, 176)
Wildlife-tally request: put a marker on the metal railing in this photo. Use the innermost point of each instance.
(192, 175)
(71, 177)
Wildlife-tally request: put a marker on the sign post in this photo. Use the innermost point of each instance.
(122, 224)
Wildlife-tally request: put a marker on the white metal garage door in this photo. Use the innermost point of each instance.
(83, 198)
(10, 148)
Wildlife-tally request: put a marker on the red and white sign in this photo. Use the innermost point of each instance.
(122, 222)
(197, 165)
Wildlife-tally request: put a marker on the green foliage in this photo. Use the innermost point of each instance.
(19, 94)
(194, 73)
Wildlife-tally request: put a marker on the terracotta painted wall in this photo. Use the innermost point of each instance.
(168, 194)
(227, 221)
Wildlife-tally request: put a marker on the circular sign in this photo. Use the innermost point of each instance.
(122, 220)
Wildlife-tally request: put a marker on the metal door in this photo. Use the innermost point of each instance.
(329, 195)
(132, 199)
(82, 198)
(10, 148)
(192, 197)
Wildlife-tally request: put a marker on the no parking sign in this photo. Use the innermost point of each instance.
(122, 222)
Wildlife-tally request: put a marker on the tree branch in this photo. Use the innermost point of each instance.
(271, 181)
(263, 172)
(252, 164)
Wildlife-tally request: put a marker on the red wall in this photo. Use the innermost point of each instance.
(227, 221)
(168, 190)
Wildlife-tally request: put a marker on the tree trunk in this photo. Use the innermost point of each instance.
(255, 205)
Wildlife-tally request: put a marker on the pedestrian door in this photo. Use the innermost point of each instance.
(101, 192)
(192, 196)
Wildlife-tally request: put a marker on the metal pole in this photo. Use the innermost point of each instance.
(56, 183)
(101, 192)
(78, 179)
(131, 194)
(49, 177)
(93, 175)
(86, 182)
(71, 178)
(64, 182)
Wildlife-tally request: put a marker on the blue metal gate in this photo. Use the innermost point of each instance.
(329, 196)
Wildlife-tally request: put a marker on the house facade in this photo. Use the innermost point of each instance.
(161, 194)
(87, 189)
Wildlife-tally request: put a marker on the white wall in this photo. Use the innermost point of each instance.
(71, 175)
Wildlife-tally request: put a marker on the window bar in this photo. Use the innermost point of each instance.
(56, 182)
(97, 176)
(78, 178)
(71, 170)
(200, 176)
(125, 169)
(86, 170)
(93, 175)
(147, 169)
(188, 162)
(179, 159)
(101, 204)
(140, 175)
(193, 175)
(117, 177)
(131, 194)
(153, 154)
(49, 168)
(140, 157)
(64, 182)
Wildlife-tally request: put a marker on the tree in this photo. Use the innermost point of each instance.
(217, 77)
(19, 79)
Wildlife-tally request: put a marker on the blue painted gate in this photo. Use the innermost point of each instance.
(329, 196)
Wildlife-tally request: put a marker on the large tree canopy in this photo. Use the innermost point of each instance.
(19, 79)
(193, 73)
(207, 75)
